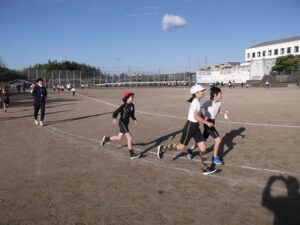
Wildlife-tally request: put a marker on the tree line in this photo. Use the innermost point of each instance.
(7, 74)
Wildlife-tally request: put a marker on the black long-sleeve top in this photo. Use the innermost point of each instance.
(39, 94)
(127, 110)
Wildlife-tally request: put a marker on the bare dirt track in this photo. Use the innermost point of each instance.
(59, 173)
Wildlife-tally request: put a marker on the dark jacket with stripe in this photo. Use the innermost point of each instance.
(127, 111)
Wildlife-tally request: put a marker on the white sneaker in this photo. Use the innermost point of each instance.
(36, 122)
(41, 123)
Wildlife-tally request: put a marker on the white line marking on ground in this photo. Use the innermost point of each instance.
(216, 176)
(183, 118)
(172, 156)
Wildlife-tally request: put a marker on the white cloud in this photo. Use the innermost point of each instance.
(172, 22)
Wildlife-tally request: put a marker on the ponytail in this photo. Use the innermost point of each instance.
(191, 98)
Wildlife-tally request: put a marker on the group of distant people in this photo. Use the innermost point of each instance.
(61, 88)
(230, 84)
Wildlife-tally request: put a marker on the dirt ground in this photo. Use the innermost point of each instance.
(59, 173)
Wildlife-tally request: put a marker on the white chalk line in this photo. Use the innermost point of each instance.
(215, 176)
(183, 118)
(172, 156)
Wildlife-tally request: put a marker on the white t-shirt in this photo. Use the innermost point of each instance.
(194, 106)
(210, 109)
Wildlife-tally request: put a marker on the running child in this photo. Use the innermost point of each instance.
(126, 111)
(211, 109)
(192, 130)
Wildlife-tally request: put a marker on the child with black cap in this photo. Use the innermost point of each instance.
(126, 111)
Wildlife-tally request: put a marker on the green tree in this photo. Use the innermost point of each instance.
(86, 70)
(286, 63)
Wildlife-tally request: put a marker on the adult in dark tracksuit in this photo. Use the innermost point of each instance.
(39, 94)
(127, 111)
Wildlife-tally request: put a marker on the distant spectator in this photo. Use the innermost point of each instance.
(39, 93)
(73, 91)
(19, 88)
(5, 97)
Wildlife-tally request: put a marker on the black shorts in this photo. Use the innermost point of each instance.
(123, 127)
(191, 130)
(212, 131)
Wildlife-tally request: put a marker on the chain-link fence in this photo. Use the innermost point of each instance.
(98, 78)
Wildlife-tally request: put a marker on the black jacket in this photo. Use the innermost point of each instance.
(39, 94)
(127, 110)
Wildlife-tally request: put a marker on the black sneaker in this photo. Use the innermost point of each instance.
(209, 170)
(133, 155)
(160, 152)
(104, 140)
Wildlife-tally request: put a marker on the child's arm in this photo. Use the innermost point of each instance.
(133, 116)
(200, 119)
(116, 113)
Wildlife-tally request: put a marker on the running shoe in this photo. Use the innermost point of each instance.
(103, 140)
(218, 161)
(209, 170)
(160, 152)
(189, 154)
(36, 122)
(41, 123)
(133, 155)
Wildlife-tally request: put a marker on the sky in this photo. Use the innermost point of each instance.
(147, 36)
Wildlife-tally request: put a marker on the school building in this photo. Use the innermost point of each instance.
(259, 60)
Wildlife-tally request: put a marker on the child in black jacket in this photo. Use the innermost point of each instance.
(126, 111)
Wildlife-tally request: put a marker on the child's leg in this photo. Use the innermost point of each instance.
(218, 141)
(129, 141)
(202, 147)
(117, 137)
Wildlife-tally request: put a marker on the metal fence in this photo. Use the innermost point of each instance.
(98, 78)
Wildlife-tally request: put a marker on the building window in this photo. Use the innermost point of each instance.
(282, 51)
(269, 52)
(258, 54)
(248, 55)
(275, 51)
(264, 53)
(296, 49)
(253, 54)
(288, 50)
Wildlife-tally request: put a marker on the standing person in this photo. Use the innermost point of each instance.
(39, 94)
(192, 130)
(211, 109)
(73, 90)
(127, 111)
(5, 97)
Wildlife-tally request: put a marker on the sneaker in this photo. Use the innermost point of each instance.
(209, 170)
(41, 123)
(133, 155)
(189, 154)
(217, 160)
(36, 122)
(104, 140)
(160, 152)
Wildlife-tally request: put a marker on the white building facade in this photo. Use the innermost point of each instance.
(259, 60)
